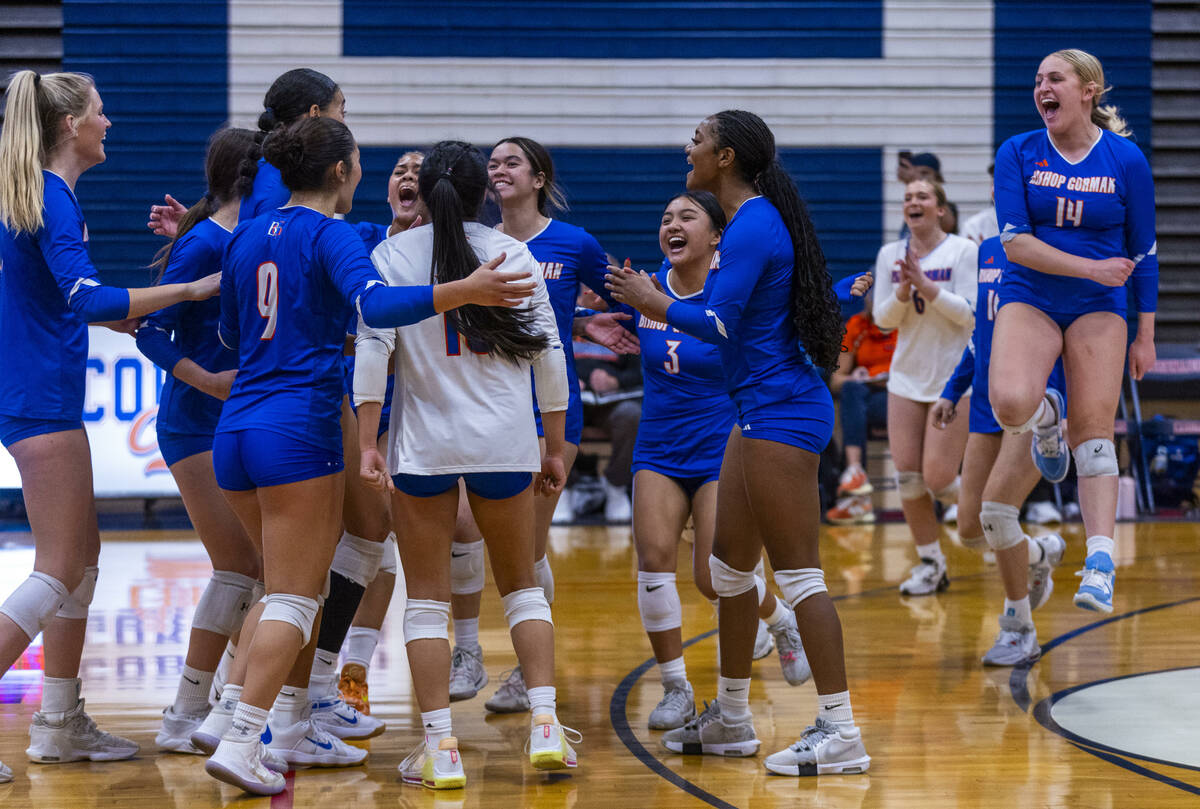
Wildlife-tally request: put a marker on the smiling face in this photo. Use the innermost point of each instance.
(921, 209)
(686, 234)
(702, 156)
(1062, 99)
(86, 133)
(512, 175)
(402, 186)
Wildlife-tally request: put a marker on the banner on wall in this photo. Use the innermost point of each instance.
(119, 413)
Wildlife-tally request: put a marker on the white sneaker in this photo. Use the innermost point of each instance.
(1041, 581)
(951, 515)
(436, 768)
(824, 749)
(175, 734)
(307, 744)
(241, 764)
(708, 733)
(206, 737)
(74, 738)
(563, 513)
(467, 674)
(511, 696)
(764, 642)
(927, 578)
(5, 773)
(338, 719)
(1043, 513)
(792, 659)
(1016, 644)
(675, 709)
(548, 744)
(617, 507)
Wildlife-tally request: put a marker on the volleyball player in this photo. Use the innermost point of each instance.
(925, 289)
(522, 173)
(998, 474)
(53, 132)
(182, 340)
(769, 306)
(277, 451)
(461, 381)
(1075, 203)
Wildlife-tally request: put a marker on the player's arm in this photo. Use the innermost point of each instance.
(888, 311)
(1141, 243)
(956, 303)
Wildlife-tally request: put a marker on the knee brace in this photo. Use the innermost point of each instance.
(949, 495)
(910, 485)
(801, 583)
(1096, 458)
(658, 601)
(760, 587)
(224, 602)
(1001, 525)
(34, 602)
(296, 610)
(426, 620)
(727, 582)
(388, 563)
(77, 602)
(466, 568)
(545, 577)
(529, 604)
(1016, 429)
(357, 559)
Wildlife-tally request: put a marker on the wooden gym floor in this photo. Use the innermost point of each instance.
(942, 731)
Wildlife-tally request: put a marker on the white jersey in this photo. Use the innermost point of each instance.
(932, 334)
(981, 226)
(453, 410)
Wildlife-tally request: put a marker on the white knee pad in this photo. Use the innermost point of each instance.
(1001, 525)
(760, 586)
(545, 577)
(1096, 458)
(426, 620)
(466, 568)
(529, 604)
(1016, 429)
(801, 583)
(75, 607)
(224, 602)
(388, 563)
(658, 601)
(727, 582)
(34, 602)
(949, 495)
(357, 559)
(910, 485)
(296, 610)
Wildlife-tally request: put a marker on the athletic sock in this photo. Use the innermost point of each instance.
(931, 551)
(733, 695)
(248, 723)
(59, 696)
(1035, 550)
(231, 695)
(1046, 417)
(192, 696)
(1099, 543)
(542, 700)
(322, 681)
(436, 725)
(836, 708)
(291, 706)
(218, 683)
(1019, 609)
(466, 632)
(673, 671)
(779, 615)
(360, 645)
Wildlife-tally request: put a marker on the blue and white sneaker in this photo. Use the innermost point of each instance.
(1096, 589)
(337, 718)
(1050, 452)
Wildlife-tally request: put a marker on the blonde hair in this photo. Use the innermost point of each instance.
(36, 106)
(938, 191)
(1090, 71)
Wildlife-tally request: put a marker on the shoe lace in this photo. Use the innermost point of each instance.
(813, 735)
(676, 699)
(513, 683)
(710, 714)
(1095, 578)
(787, 642)
(926, 569)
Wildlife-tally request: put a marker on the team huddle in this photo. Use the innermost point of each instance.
(342, 394)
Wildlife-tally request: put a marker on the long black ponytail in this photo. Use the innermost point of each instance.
(815, 309)
(453, 182)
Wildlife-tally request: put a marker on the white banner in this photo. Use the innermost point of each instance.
(119, 414)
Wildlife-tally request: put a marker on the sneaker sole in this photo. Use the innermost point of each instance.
(551, 760)
(1033, 658)
(351, 734)
(855, 767)
(205, 743)
(222, 773)
(454, 782)
(306, 760)
(942, 585)
(183, 746)
(663, 726)
(732, 750)
(492, 708)
(459, 696)
(44, 759)
(1089, 602)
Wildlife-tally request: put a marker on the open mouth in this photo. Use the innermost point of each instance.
(1049, 107)
(675, 244)
(408, 196)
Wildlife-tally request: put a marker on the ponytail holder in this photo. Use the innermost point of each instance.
(446, 175)
(37, 79)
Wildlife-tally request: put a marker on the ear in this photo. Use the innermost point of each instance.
(539, 180)
(341, 171)
(70, 125)
(314, 111)
(725, 157)
(715, 239)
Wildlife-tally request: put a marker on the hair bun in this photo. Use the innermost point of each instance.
(267, 120)
(284, 149)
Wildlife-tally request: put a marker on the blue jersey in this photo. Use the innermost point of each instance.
(686, 412)
(286, 279)
(747, 312)
(189, 329)
(268, 193)
(1100, 207)
(48, 294)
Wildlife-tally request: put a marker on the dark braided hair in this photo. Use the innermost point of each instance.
(453, 182)
(815, 309)
(230, 166)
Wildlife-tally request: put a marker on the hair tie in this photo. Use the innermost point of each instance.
(446, 175)
(37, 79)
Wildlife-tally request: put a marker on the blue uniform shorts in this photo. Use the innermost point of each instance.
(18, 428)
(488, 485)
(806, 423)
(177, 446)
(1016, 294)
(249, 459)
(574, 426)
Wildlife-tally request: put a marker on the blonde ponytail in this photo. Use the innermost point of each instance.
(1089, 70)
(1108, 117)
(34, 110)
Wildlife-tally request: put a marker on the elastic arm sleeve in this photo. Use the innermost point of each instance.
(97, 303)
(371, 352)
(158, 347)
(550, 379)
(382, 306)
(961, 379)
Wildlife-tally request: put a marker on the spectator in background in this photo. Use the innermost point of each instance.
(861, 382)
(983, 225)
(926, 166)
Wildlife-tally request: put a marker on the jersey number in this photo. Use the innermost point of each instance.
(1069, 210)
(454, 341)
(918, 302)
(672, 363)
(993, 304)
(268, 296)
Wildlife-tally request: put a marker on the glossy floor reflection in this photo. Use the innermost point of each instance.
(941, 729)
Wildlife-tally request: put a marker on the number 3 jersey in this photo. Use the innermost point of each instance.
(455, 410)
(1101, 206)
(931, 334)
